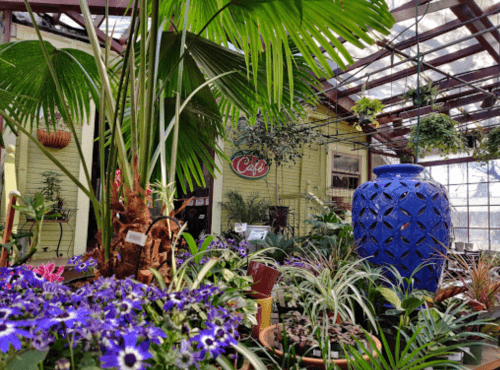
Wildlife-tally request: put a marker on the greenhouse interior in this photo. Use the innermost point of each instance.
(249, 184)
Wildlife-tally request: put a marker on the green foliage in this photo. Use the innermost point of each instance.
(52, 194)
(367, 109)
(278, 246)
(436, 131)
(279, 144)
(428, 94)
(26, 360)
(489, 148)
(253, 210)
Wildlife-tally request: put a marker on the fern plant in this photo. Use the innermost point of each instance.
(252, 210)
(367, 109)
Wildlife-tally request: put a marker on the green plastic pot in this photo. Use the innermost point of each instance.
(475, 356)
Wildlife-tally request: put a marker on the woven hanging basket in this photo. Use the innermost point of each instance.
(58, 139)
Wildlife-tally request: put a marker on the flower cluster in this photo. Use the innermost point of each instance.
(215, 249)
(81, 265)
(47, 271)
(111, 318)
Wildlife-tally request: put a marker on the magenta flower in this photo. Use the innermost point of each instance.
(47, 271)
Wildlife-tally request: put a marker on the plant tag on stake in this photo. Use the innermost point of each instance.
(317, 353)
(455, 356)
(136, 238)
(335, 354)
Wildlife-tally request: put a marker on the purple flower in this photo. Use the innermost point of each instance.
(69, 317)
(82, 267)
(186, 357)
(130, 357)
(208, 343)
(74, 260)
(8, 335)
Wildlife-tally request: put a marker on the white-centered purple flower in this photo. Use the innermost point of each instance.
(9, 332)
(131, 357)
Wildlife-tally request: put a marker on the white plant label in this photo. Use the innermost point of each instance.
(335, 354)
(136, 238)
(240, 227)
(455, 356)
(257, 235)
(201, 217)
(317, 353)
(199, 202)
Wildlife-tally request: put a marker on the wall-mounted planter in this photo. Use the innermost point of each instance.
(403, 220)
(57, 140)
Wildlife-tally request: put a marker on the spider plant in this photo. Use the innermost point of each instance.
(334, 291)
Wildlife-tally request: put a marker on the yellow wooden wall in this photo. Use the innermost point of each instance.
(312, 172)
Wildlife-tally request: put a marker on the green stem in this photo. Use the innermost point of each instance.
(71, 351)
(175, 138)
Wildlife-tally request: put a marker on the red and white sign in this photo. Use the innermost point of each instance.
(249, 166)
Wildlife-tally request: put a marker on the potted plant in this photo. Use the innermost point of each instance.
(314, 338)
(279, 144)
(426, 95)
(473, 136)
(436, 131)
(489, 147)
(57, 139)
(367, 110)
(252, 211)
(52, 194)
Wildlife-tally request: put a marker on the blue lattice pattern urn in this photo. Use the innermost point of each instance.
(403, 220)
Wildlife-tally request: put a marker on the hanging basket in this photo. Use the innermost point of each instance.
(58, 139)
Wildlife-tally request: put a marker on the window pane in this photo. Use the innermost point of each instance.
(495, 193)
(478, 193)
(440, 174)
(345, 163)
(495, 217)
(478, 217)
(458, 195)
(459, 216)
(494, 170)
(461, 235)
(495, 240)
(477, 172)
(479, 238)
(458, 173)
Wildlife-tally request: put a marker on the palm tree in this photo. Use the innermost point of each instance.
(199, 64)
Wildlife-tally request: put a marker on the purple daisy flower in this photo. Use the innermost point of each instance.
(82, 267)
(131, 357)
(208, 343)
(8, 335)
(74, 260)
(186, 357)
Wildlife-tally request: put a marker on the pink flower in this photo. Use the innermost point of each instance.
(47, 271)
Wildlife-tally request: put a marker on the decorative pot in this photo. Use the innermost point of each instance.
(265, 307)
(474, 356)
(278, 217)
(264, 277)
(58, 139)
(402, 220)
(267, 338)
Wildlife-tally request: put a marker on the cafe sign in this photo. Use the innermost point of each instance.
(249, 166)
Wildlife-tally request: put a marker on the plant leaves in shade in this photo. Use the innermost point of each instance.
(25, 73)
(391, 297)
(27, 360)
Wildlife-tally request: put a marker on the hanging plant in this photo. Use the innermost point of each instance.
(489, 147)
(473, 137)
(367, 109)
(58, 139)
(428, 94)
(437, 131)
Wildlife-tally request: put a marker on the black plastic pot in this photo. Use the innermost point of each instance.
(278, 217)
(282, 310)
(475, 356)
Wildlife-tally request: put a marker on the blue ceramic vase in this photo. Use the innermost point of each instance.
(403, 220)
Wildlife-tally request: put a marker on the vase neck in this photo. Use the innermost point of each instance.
(398, 170)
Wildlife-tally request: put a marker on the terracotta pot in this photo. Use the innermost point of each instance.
(58, 140)
(267, 336)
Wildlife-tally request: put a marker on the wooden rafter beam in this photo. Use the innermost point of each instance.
(116, 7)
(490, 41)
(445, 59)
(480, 116)
(77, 17)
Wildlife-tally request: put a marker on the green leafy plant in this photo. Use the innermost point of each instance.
(278, 246)
(35, 208)
(473, 137)
(279, 143)
(367, 109)
(428, 94)
(252, 210)
(51, 192)
(435, 131)
(489, 146)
